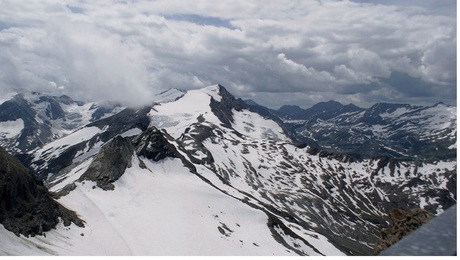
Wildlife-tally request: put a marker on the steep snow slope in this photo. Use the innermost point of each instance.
(159, 210)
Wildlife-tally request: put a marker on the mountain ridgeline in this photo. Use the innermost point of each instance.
(399, 131)
(247, 179)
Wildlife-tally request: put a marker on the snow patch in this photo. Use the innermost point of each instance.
(168, 96)
(257, 127)
(213, 91)
(131, 132)
(398, 112)
(53, 149)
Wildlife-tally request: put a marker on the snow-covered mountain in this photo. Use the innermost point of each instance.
(30, 120)
(201, 173)
(398, 130)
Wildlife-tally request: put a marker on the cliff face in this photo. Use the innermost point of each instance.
(110, 163)
(402, 223)
(26, 206)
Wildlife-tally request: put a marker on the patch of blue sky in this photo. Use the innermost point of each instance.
(4, 25)
(201, 20)
(75, 9)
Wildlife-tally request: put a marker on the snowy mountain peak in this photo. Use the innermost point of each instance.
(32, 119)
(211, 106)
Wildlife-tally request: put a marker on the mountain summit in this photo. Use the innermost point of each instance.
(203, 173)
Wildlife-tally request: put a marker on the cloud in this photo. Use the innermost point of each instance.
(201, 20)
(318, 50)
(91, 64)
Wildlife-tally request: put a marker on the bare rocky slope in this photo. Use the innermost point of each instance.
(26, 207)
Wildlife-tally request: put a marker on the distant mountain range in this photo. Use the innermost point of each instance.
(399, 131)
(31, 120)
(402, 131)
(201, 172)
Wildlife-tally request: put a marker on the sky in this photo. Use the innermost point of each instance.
(278, 52)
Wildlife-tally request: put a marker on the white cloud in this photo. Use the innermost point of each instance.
(367, 63)
(310, 75)
(128, 50)
(438, 62)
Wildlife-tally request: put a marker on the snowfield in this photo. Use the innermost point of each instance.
(161, 210)
(53, 149)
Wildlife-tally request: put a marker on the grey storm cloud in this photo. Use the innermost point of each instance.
(276, 52)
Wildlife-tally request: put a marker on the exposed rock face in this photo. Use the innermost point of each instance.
(54, 110)
(153, 145)
(26, 206)
(34, 133)
(116, 156)
(110, 164)
(40, 119)
(192, 143)
(56, 164)
(113, 126)
(223, 109)
(123, 121)
(402, 223)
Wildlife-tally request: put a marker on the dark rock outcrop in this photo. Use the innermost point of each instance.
(153, 145)
(53, 110)
(110, 163)
(223, 108)
(113, 126)
(26, 206)
(116, 156)
(402, 223)
(34, 134)
(123, 121)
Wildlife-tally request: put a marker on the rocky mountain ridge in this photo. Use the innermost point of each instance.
(27, 208)
(401, 131)
(306, 200)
